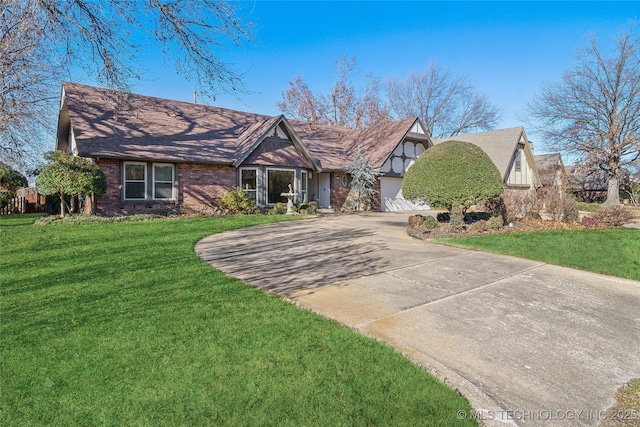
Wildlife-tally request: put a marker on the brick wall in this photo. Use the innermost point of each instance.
(199, 187)
(109, 203)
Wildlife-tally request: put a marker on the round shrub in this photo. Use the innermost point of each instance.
(430, 223)
(452, 175)
(416, 220)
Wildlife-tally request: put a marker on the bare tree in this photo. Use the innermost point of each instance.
(300, 103)
(594, 112)
(447, 104)
(39, 37)
(343, 106)
(28, 67)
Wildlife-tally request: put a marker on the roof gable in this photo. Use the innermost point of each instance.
(500, 145)
(110, 124)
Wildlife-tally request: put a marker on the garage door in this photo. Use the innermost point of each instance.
(391, 197)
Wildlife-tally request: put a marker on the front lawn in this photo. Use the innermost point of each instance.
(614, 252)
(122, 324)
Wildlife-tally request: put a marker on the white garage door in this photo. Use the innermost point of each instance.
(391, 197)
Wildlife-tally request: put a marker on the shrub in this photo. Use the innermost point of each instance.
(590, 222)
(278, 209)
(416, 220)
(496, 207)
(452, 175)
(236, 202)
(456, 220)
(495, 223)
(430, 223)
(613, 216)
(520, 204)
(561, 207)
(479, 226)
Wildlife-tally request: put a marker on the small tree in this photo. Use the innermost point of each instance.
(70, 176)
(453, 175)
(363, 178)
(10, 181)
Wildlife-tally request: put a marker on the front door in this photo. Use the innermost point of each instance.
(324, 184)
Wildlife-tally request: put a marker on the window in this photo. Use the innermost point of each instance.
(135, 181)
(248, 181)
(162, 181)
(303, 187)
(519, 160)
(278, 181)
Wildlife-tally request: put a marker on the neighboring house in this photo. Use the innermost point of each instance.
(587, 186)
(551, 171)
(162, 155)
(511, 153)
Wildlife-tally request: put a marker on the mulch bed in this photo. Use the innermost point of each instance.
(445, 230)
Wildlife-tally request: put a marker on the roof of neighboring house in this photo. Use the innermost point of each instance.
(583, 180)
(498, 144)
(113, 124)
(548, 165)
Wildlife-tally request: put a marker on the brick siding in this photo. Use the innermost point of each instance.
(199, 188)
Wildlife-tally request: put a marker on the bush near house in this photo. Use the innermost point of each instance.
(453, 175)
(235, 202)
(559, 206)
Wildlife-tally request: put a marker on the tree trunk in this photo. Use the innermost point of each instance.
(613, 192)
(62, 205)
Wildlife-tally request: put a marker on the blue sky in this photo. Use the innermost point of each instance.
(507, 48)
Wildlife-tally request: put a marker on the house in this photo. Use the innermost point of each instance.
(551, 171)
(161, 155)
(511, 153)
(587, 186)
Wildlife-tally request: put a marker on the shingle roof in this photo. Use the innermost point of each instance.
(108, 124)
(500, 145)
(128, 126)
(549, 166)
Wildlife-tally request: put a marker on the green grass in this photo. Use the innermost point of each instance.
(588, 207)
(614, 252)
(120, 324)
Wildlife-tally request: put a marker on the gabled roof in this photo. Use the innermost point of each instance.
(378, 142)
(500, 145)
(112, 124)
(550, 168)
(548, 161)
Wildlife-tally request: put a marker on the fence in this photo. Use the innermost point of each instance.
(27, 200)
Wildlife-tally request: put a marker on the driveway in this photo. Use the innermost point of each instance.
(527, 343)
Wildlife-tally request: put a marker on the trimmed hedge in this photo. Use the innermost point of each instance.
(452, 174)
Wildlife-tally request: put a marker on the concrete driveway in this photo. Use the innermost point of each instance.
(526, 342)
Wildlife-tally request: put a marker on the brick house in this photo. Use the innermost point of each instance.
(161, 155)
